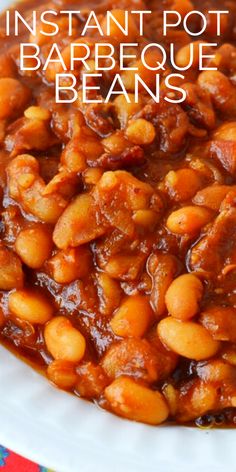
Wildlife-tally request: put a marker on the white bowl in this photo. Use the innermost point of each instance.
(67, 434)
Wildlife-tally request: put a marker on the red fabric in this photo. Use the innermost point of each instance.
(11, 462)
(15, 463)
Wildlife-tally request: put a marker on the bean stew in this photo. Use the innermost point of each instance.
(118, 223)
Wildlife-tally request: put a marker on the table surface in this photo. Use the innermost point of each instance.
(11, 462)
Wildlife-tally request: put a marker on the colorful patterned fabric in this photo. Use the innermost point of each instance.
(11, 462)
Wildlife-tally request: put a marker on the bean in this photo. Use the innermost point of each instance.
(136, 402)
(125, 110)
(24, 165)
(109, 292)
(13, 97)
(62, 374)
(188, 339)
(171, 396)
(185, 57)
(125, 266)
(183, 297)
(37, 113)
(132, 318)
(34, 246)
(63, 341)
(89, 144)
(226, 132)
(31, 306)
(11, 273)
(212, 196)
(196, 399)
(29, 135)
(140, 132)
(135, 193)
(70, 264)
(216, 371)
(116, 143)
(145, 218)
(46, 208)
(203, 398)
(188, 220)
(221, 90)
(27, 187)
(78, 223)
(72, 158)
(182, 184)
(92, 176)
